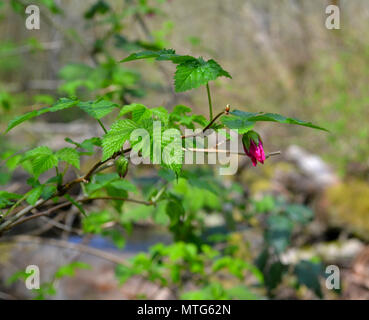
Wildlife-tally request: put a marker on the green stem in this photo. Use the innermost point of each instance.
(24, 197)
(209, 100)
(102, 126)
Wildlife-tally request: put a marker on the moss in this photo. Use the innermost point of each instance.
(349, 206)
(260, 179)
(5, 252)
(243, 247)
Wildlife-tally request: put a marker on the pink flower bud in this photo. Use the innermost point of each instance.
(253, 147)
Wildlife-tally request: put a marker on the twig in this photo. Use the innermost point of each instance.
(53, 45)
(19, 214)
(89, 174)
(68, 245)
(213, 120)
(49, 224)
(147, 203)
(67, 203)
(227, 151)
(102, 125)
(14, 206)
(207, 127)
(209, 101)
(47, 212)
(61, 226)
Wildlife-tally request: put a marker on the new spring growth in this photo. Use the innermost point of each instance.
(253, 147)
(121, 165)
(227, 109)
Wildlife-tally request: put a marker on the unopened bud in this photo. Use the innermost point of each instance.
(227, 108)
(121, 165)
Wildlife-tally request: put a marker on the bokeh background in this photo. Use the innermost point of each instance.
(282, 59)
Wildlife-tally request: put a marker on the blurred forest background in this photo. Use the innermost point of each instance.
(281, 58)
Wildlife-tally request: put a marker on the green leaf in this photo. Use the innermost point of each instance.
(123, 185)
(41, 160)
(308, 274)
(299, 213)
(165, 54)
(117, 237)
(51, 5)
(243, 120)
(192, 74)
(240, 123)
(94, 222)
(213, 291)
(123, 273)
(171, 151)
(274, 274)
(18, 120)
(34, 194)
(13, 162)
(110, 180)
(100, 7)
(180, 110)
(69, 270)
(19, 275)
(87, 144)
(75, 203)
(139, 111)
(6, 197)
(61, 104)
(175, 211)
(97, 109)
(115, 138)
(70, 156)
(279, 232)
(161, 114)
(241, 292)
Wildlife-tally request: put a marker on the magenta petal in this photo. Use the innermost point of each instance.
(254, 161)
(255, 152)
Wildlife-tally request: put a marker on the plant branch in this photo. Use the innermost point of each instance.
(69, 245)
(61, 191)
(225, 112)
(213, 120)
(147, 203)
(68, 203)
(14, 206)
(20, 214)
(89, 174)
(209, 100)
(102, 126)
(44, 213)
(227, 151)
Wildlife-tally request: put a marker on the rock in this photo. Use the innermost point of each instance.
(312, 166)
(333, 252)
(356, 280)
